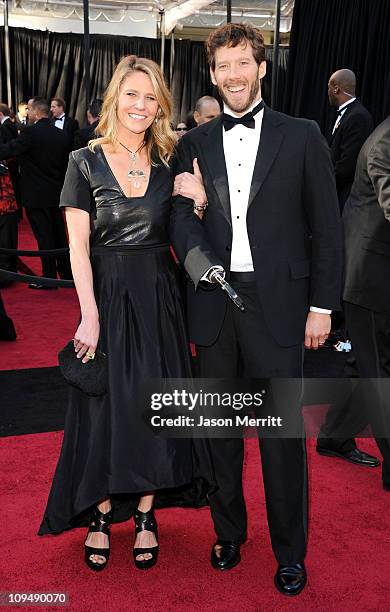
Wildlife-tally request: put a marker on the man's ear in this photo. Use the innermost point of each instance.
(212, 76)
(262, 69)
(196, 117)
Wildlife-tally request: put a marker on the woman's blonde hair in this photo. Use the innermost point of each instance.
(160, 133)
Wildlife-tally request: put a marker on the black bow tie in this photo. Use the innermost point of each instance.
(61, 118)
(248, 120)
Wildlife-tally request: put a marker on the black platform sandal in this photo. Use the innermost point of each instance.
(99, 522)
(145, 521)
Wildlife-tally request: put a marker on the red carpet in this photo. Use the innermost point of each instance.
(348, 560)
(45, 320)
(349, 543)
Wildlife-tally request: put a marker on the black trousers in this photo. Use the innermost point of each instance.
(368, 404)
(9, 240)
(246, 347)
(48, 227)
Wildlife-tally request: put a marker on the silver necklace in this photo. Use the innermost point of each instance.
(135, 175)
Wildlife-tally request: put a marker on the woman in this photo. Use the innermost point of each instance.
(181, 129)
(117, 200)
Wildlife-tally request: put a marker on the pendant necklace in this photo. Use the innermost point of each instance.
(135, 175)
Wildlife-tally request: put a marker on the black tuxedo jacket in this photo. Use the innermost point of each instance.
(366, 220)
(355, 126)
(70, 128)
(8, 131)
(42, 151)
(293, 225)
(20, 126)
(83, 136)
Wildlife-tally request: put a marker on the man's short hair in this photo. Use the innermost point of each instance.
(202, 101)
(233, 34)
(95, 108)
(5, 109)
(60, 102)
(40, 104)
(22, 103)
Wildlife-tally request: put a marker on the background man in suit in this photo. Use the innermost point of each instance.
(42, 151)
(83, 136)
(9, 221)
(62, 121)
(272, 224)
(206, 109)
(366, 295)
(350, 130)
(21, 118)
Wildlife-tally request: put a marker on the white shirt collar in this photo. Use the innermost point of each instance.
(347, 103)
(3, 119)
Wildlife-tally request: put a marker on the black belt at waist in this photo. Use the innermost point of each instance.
(242, 277)
(130, 250)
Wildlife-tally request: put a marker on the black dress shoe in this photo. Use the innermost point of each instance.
(290, 579)
(38, 286)
(354, 456)
(229, 555)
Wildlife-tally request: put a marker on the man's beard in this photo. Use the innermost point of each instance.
(253, 92)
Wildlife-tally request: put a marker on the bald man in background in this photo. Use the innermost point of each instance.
(350, 130)
(206, 109)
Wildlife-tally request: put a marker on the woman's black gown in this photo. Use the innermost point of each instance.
(107, 449)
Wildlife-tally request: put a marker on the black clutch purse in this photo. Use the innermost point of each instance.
(90, 377)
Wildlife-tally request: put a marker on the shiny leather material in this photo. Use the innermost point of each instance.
(117, 220)
(353, 456)
(145, 521)
(290, 579)
(229, 555)
(99, 523)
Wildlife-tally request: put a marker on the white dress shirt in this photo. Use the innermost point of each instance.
(341, 110)
(59, 122)
(3, 119)
(240, 145)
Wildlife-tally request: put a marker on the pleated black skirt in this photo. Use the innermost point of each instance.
(108, 450)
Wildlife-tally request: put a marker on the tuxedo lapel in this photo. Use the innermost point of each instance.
(271, 139)
(215, 160)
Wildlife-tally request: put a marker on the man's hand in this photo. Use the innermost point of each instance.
(191, 185)
(317, 329)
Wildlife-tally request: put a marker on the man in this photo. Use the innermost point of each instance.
(62, 121)
(350, 130)
(86, 134)
(42, 151)
(366, 295)
(9, 219)
(206, 109)
(21, 118)
(272, 224)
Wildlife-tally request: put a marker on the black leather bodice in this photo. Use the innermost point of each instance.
(117, 220)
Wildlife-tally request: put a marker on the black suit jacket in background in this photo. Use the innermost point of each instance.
(8, 131)
(293, 225)
(42, 151)
(70, 128)
(366, 221)
(355, 126)
(83, 136)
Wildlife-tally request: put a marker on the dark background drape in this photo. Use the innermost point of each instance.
(330, 34)
(51, 64)
(326, 35)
